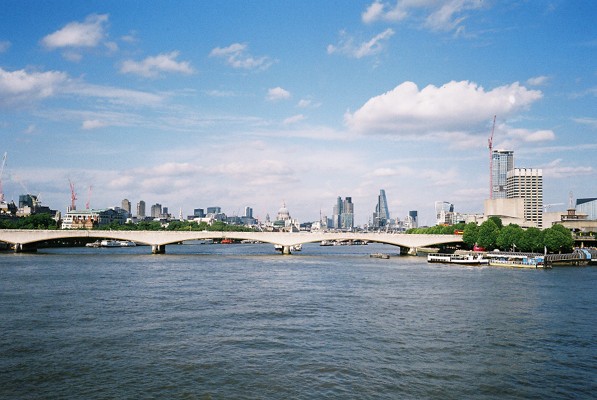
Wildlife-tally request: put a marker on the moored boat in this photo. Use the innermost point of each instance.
(463, 259)
(516, 261)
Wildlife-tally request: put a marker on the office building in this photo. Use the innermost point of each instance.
(126, 206)
(343, 214)
(156, 211)
(587, 206)
(141, 209)
(214, 210)
(248, 212)
(381, 216)
(502, 163)
(527, 184)
(413, 219)
(444, 212)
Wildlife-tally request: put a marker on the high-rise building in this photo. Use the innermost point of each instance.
(527, 184)
(198, 213)
(413, 217)
(156, 210)
(141, 209)
(343, 214)
(444, 212)
(502, 163)
(126, 206)
(347, 220)
(214, 210)
(381, 216)
(248, 212)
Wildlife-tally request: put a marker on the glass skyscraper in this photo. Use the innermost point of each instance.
(502, 163)
(381, 216)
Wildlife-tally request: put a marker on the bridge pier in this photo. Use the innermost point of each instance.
(158, 249)
(25, 248)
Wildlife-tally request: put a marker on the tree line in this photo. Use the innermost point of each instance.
(492, 235)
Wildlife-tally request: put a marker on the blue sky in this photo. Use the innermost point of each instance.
(232, 104)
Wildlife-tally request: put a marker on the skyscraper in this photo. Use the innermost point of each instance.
(527, 184)
(141, 209)
(381, 216)
(126, 206)
(156, 210)
(444, 212)
(343, 214)
(502, 163)
(413, 216)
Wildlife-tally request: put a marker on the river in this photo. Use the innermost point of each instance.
(242, 322)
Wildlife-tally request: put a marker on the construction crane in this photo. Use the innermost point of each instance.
(490, 143)
(1, 171)
(73, 196)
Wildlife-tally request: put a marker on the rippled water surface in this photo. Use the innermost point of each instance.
(241, 322)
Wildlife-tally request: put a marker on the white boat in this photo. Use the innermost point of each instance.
(379, 255)
(462, 259)
(117, 243)
(516, 261)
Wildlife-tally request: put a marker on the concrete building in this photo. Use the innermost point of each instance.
(527, 184)
(141, 209)
(156, 211)
(88, 219)
(502, 163)
(126, 206)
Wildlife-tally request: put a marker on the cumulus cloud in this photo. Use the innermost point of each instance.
(237, 56)
(452, 107)
(152, 66)
(555, 169)
(20, 86)
(529, 136)
(277, 93)
(88, 33)
(347, 46)
(436, 15)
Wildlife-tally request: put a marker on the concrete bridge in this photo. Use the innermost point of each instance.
(26, 240)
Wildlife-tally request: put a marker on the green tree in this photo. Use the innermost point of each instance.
(510, 237)
(558, 239)
(532, 240)
(497, 221)
(488, 233)
(470, 234)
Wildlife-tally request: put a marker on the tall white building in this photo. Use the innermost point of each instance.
(527, 184)
(444, 213)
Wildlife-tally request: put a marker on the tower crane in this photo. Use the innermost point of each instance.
(490, 145)
(89, 191)
(1, 171)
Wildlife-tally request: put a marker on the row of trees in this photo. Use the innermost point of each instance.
(217, 226)
(35, 221)
(491, 235)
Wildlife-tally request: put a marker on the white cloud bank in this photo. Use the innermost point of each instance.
(78, 34)
(152, 66)
(451, 108)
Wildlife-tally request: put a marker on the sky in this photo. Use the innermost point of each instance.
(193, 104)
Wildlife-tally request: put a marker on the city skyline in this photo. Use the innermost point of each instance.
(261, 103)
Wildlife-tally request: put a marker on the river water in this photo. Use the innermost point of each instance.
(242, 322)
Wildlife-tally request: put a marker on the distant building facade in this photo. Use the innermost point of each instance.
(141, 209)
(444, 213)
(126, 206)
(527, 184)
(588, 207)
(89, 219)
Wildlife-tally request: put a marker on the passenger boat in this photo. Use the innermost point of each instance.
(463, 259)
(379, 255)
(516, 261)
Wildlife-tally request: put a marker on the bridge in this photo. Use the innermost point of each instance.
(27, 240)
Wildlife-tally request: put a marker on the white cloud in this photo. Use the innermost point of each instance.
(4, 45)
(538, 81)
(436, 15)
(93, 124)
(278, 93)
(347, 47)
(78, 34)
(152, 66)
(237, 56)
(20, 85)
(294, 119)
(555, 169)
(529, 136)
(453, 107)
(592, 122)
